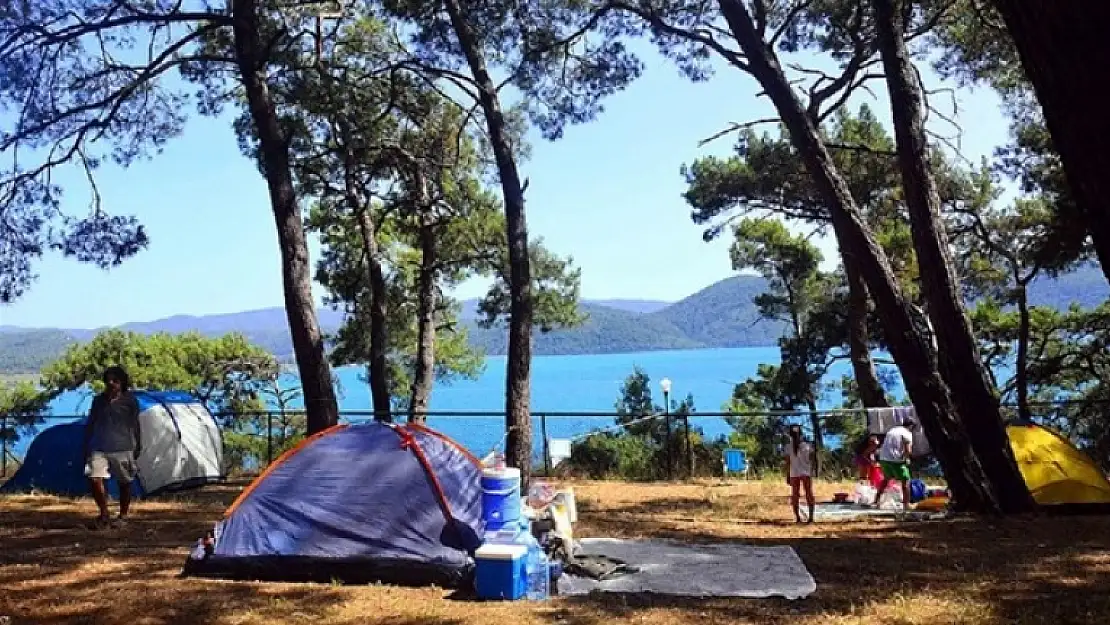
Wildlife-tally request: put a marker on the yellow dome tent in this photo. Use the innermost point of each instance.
(1054, 470)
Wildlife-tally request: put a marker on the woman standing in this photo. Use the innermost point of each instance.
(799, 471)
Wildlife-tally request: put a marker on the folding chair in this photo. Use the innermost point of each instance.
(735, 461)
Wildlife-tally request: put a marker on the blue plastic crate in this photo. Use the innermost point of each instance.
(499, 571)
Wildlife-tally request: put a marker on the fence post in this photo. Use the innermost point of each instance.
(670, 445)
(4, 445)
(819, 450)
(689, 447)
(546, 446)
(269, 437)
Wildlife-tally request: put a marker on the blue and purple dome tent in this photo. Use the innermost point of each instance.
(371, 502)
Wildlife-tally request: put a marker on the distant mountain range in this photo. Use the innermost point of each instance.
(720, 315)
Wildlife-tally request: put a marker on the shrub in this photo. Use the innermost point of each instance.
(623, 456)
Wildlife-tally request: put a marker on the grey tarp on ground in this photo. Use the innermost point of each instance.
(853, 512)
(697, 570)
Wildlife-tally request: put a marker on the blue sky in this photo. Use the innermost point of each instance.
(608, 194)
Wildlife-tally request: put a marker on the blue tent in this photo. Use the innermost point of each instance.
(182, 448)
(54, 464)
(357, 503)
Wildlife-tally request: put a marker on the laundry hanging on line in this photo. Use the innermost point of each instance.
(881, 420)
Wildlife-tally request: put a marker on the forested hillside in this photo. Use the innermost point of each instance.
(721, 315)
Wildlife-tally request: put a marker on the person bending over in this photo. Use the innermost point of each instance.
(113, 444)
(894, 458)
(799, 471)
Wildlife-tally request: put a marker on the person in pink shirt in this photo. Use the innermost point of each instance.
(867, 461)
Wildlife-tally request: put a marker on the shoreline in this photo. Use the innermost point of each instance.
(291, 367)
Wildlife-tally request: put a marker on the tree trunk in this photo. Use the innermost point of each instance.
(961, 364)
(518, 418)
(1022, 373)
(321, 407)
(424, 374)
(871, 391)
(1062, 46)
(377, 369)
(971, 489)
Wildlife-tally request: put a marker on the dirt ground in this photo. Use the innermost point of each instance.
(1039, 570)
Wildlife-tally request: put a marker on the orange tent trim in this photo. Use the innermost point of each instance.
(447, 439)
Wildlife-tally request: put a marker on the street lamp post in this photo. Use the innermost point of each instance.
(665, 384)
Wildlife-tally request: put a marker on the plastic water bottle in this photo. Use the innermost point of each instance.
(538, 574)
(891, 499)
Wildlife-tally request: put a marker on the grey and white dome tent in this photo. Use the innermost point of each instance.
(181, 448)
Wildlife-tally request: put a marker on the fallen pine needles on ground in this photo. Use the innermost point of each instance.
(1028, 570)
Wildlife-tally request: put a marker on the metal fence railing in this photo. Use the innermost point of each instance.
(253, 440)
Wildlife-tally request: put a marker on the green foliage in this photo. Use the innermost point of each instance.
(555, 292)
(1008, 254)
(788, 262)
(639, 451)
(343, 272)
(226, 373)
(617, 456)
(766, 174)
(22, 404)
(1000, 251)
(75, 104)
(635, 409)
(392, 132)
(812, 304)
(974, 47)
(759, 436)
(1068, 366)
(247, 445)
(543, 48)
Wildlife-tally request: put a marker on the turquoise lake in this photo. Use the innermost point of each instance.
(561, 384)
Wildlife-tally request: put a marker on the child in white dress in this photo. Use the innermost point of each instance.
(799, 471)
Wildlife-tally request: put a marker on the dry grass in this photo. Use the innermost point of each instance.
(1052, 571)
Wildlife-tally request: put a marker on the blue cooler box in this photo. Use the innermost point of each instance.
(499, 571)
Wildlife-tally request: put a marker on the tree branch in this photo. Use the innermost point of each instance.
(734, 57)
(737, 127)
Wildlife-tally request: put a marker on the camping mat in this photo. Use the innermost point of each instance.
(851, 512)
(721, 570)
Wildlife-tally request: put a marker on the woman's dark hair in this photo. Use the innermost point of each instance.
(864, 442)
(118, 373)
(795, 433)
